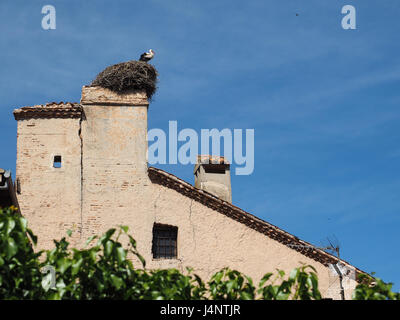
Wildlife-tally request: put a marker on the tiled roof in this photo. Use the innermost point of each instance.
(169, 180)
(49, 110)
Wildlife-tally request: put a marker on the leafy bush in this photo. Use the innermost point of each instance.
(103, 271)
(20, 276)
(305, 285)
(374, 289)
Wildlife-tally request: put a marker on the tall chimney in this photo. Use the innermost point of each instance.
(212, 174)
(114, 155)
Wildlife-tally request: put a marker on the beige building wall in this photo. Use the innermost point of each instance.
(109, 186)
(209, 241)
(49, 197)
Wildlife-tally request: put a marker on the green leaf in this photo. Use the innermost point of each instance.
(110, 233)
(63, 264)
(116, 281)
(76, 266)
(32, 236)
(10, 226)
(230, 285)
(264, 279)
(121, 254)
(140, 257)
(105, 237)
(218, 276)
(282, 296)
(108, 247)
(125, 228)
(246, 296)
(23, 224)
(293, 274)
(132, 242)
(11, 248)
(90, 239)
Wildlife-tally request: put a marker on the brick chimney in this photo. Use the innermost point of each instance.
(114, 155)
(212, 174)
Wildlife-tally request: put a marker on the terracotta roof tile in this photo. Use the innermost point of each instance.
(49, 110)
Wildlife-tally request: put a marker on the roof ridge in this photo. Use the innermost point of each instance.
(53, 103)
(49, 110)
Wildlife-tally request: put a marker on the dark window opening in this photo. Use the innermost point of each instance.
(164, 242)
(57, 162)
(214, 168)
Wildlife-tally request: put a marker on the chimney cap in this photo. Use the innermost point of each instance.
(210, 159)
(96, 95)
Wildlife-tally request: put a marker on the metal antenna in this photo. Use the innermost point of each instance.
(334, 248)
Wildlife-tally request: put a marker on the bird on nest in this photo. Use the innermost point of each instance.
(147, 56)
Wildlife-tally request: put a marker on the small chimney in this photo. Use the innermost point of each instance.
(212, 174)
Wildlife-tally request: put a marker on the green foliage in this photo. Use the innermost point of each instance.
(104, 270)
(231, 285)
(20, 276)
(168, 284)
(300, 285)
(371, 288)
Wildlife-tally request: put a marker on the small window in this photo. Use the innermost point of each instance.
(164, 241)
(57, 162)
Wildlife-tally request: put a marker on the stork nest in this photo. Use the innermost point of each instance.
(131, 75)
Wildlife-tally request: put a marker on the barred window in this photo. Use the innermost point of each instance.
(164, 241)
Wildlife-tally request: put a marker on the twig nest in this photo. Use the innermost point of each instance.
(131, 75)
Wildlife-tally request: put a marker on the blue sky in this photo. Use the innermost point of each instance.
(324, 102)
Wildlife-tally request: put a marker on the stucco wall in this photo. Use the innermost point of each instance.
(209, 241)
(50, 197)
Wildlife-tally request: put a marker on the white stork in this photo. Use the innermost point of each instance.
(147, 56)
